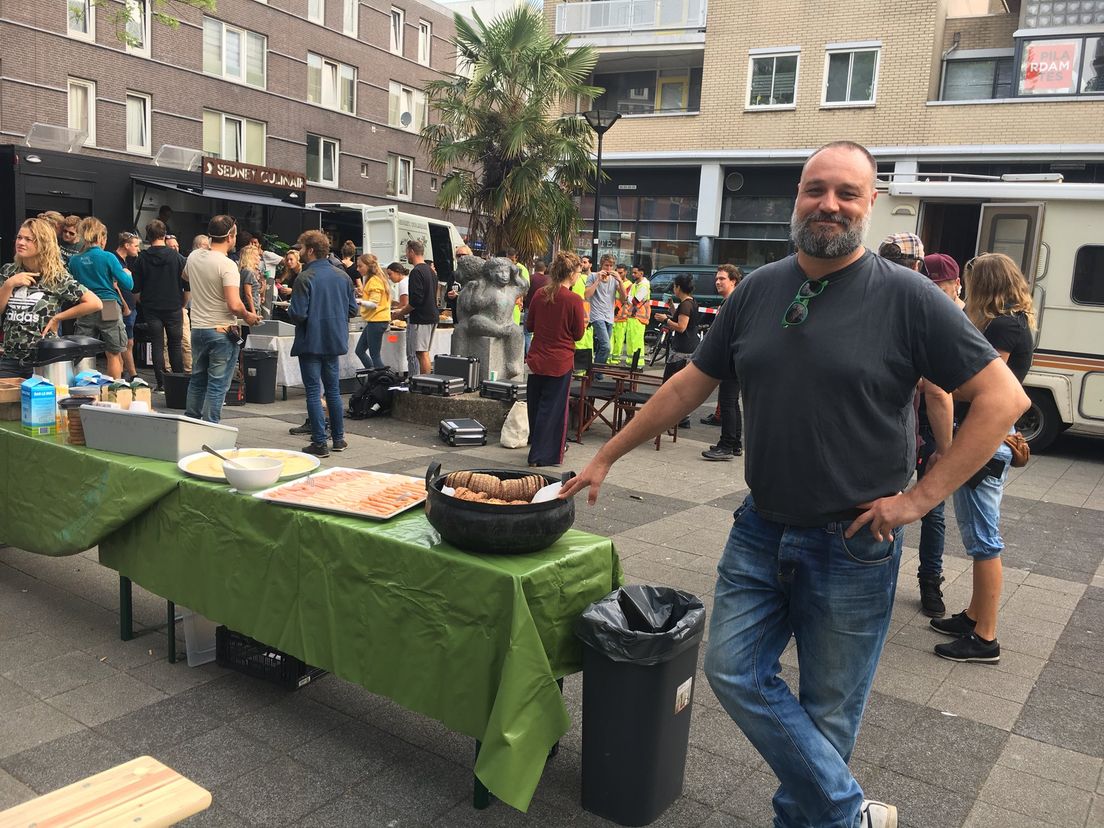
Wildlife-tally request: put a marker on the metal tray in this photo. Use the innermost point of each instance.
(219, 477)
(273, 495)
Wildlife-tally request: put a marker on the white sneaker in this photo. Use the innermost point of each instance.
(875, 814)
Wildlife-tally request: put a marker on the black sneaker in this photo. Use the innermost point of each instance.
(738, 451)
(712, 419)
(959, 625)
(340, 445)
(685, 423)
(931, 596)
(717, 453)
(971, 649)
(305, 428)
(317, 449)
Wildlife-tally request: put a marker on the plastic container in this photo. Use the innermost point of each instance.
(237, 651)
(176, 390)
(259, 368)
(199, 637)
(639, 662)
(156, 435)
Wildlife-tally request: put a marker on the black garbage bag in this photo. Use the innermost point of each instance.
(643, 624)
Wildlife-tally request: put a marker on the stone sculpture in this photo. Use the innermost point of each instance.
(486, 328)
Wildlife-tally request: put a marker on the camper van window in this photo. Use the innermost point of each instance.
(1088, 275)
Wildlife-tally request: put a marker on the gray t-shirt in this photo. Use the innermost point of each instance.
(828, 410)
(601, 303)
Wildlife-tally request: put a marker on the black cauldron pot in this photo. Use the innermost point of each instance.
(489, 528)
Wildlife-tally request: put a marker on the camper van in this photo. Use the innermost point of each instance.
(385, 231)
(1055, 232)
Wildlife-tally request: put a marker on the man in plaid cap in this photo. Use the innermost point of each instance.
(904, 248)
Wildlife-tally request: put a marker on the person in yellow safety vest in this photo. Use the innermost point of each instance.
(512, 254)
(621, 312)
(638, 300)
(587, 342)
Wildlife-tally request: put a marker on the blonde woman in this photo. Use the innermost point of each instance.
(100, 271)
(998, 302)
(374, 300)
(37, 294)
(249, 265)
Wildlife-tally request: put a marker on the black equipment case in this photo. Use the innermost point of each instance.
(437, 385)
(467, 368)
(463, 432)
(501, 390)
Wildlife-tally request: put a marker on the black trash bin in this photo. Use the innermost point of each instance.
(176, 389)
(639, 663)
(259, 368)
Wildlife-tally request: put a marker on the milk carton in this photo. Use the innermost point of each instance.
(38, 404)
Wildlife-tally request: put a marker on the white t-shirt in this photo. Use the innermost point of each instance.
(208, 273)
(400, 289)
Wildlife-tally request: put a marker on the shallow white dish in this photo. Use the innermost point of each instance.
(206, 467)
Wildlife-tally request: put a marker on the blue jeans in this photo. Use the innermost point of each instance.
(834, 596)
(370, 344)
(322, 372)
(933, 526)
(978, 512)
(214, 358)
(602, 333)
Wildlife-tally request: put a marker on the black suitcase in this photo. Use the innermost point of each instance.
(463, 432)
(467, 368)
(501, 390)
(437, 385)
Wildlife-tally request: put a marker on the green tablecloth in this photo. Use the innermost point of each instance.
(476, 641)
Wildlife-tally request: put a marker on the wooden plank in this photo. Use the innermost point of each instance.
(142, 792)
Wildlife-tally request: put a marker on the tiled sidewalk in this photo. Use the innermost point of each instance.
(1008, 746)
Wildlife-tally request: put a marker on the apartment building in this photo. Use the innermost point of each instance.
(256, 108)
(722, 100)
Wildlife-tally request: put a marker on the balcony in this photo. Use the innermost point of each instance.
(638, 22)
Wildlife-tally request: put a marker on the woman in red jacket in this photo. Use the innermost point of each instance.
(556, 320)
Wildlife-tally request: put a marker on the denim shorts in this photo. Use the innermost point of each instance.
(978, 512)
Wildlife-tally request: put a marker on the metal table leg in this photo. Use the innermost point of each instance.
(481, 797)
(170, 629)
(126, 609)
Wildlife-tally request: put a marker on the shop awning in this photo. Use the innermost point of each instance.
(225, 195)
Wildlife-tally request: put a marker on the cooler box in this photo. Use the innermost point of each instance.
(159, 436)
(437, 385)
(467, 368)
(501, 390)
(463, 432)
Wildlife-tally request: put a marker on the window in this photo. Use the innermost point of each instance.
(81, 19)
(365, 170)
(82, 109)
(398, 23)
(646, 92)
(1092, 73)
(425, 41)
(350, 10)
(322, 154)
(772, 80)
(400, 176)
(1061, 65)
(234, 54)
(1088, 275)
(316, 11)
(407, 108)
(977, 79)
(138, 27)
(331, 84)
(233, 138)
(138, 122)
(850, 76)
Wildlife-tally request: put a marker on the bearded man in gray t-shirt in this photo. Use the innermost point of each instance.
(828, 345)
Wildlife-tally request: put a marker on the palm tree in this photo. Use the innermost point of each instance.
(510, 155)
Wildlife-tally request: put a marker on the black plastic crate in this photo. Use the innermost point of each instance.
(247, 655)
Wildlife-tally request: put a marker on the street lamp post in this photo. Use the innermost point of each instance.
(600, 121)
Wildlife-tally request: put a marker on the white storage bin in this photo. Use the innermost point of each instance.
(156, 435)
(199, 637)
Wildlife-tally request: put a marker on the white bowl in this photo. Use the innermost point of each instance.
(258, 472)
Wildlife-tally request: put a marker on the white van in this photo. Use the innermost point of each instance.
(385, 231)
(1055, 232)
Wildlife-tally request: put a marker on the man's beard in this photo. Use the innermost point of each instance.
(823, 243)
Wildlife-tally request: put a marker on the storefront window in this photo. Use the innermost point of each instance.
(668, 208)
(1050, 67)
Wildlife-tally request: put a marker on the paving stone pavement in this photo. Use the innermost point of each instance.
(953, 746)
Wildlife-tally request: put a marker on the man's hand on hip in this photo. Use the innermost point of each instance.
(887, 513)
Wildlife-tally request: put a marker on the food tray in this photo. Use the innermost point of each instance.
(332, 481)
(196, 465)
(156, 435)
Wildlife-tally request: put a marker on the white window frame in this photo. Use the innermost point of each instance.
(418, 107)
(331, 98)
(396, 162)
(90, 96)
(352, 6)
(396, 37)
(322, 141)
(320, 16)
(852, 49)
(243, 133)
(757, 54)
(244, 36)
(143, 7)
(89, 20)
(141, 149)
(425, 42)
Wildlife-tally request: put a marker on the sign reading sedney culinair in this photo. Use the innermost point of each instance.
(253, 174)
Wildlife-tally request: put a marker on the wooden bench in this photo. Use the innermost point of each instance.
(141, 793)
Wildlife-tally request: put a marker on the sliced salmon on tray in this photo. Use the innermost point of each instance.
(358, 492)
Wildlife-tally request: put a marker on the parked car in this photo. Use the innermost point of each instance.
(705, 290)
